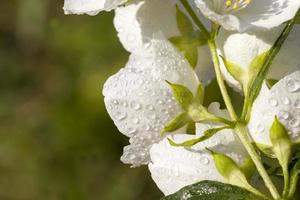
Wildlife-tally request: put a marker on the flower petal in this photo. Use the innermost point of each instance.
(173, 168)
(91, 7)
(242, 48)
(268, 14)
(265, 14)
(283, 101)
(138, 23)
(140, 101)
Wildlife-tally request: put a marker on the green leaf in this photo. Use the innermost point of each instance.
(295, 172)
(189, 40)
(191, 55)
(265, 149)
(183, 95)
(275, 171)
(211, 190)
(282, 145)
(257, 63)
(248, 168)
(178, 122)
(184, 24)
(254, 69)
(191, 128)
(230, 170)
(236, 71)
(271, 82)
(199, 97)
(188, 45)
(207, 134)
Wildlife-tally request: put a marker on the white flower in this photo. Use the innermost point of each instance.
(137, 23)
(242, 48)
(283, 101)
(173, 168)
(240, 15)
(142, 82)
(91, 7)
(140, 101)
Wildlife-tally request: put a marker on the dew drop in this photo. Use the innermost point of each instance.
(131, 130)
(294, 123)
(115, 102)
(297, 103)
(293, 85)
(121, 116)
(286, 101)
(150, 107)
(135, 120)
(260, 128)
(204, 160)
(284, 115)
(136, 106)
(147, 128)
(160, 102)
(273, 102)
(131, 38)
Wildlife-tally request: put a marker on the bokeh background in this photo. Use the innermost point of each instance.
(56, 140)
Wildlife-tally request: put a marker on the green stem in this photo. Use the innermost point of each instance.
(223, 89)
(242, 132)
(195, 18)
(286, 176)
(258, 193)
(293, 187)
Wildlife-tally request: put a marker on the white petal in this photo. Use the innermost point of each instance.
(242, 48)
(91, 7)
(265, 14)
(173, 168)
(283, 100)
(137, 22)
(268, 14)
(140, 101)
(228, 21)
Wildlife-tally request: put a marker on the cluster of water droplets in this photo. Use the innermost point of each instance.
(140, 107)
(282, 101)
(140, 101)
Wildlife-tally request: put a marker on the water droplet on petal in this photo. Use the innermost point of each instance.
(293, 85)
(150, 107)
(294, 123)
(297, 103)
(286, 101)
(136, 106)
(204, 160)
(135, 120)
(273, 102)
(284, 115)
(260, 128)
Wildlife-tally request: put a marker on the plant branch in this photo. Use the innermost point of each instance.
(242, 132)
(223, 89)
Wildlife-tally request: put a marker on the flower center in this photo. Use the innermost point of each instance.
(230, 6)
(233, 5)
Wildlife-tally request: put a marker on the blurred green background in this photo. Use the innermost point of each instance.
(56, 139)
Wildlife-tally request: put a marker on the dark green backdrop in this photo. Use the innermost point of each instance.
(56, 139)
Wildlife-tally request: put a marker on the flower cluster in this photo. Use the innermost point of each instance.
(157, 99)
